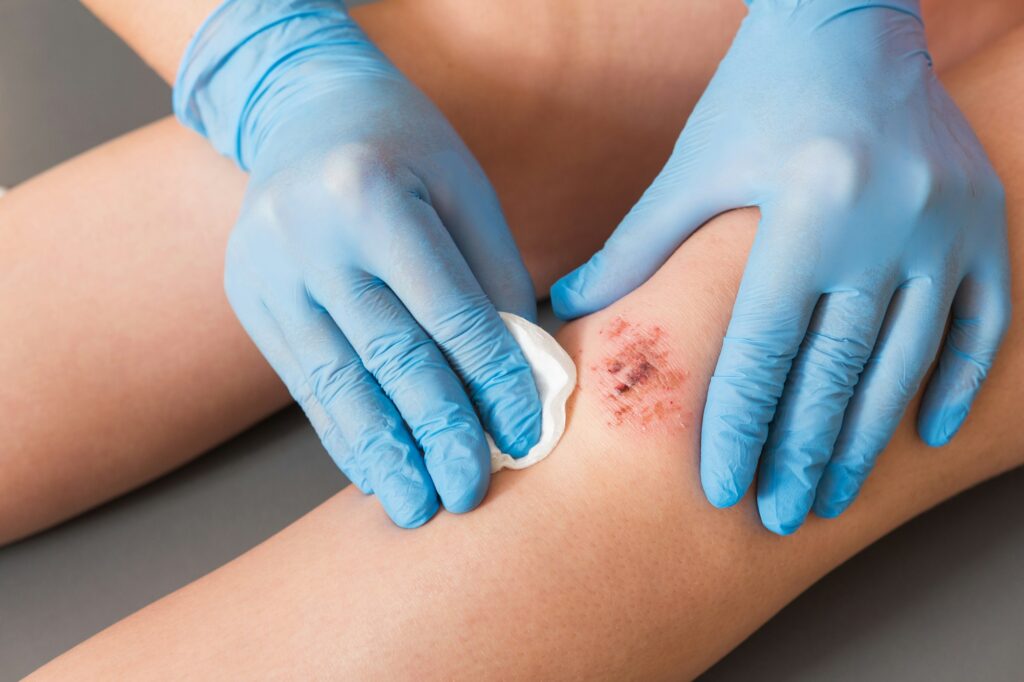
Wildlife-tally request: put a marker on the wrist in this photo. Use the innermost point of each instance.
(245, 61)
(825, 10)
(874, 34)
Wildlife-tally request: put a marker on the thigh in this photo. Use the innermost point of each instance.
(120, 356)
(605, 561)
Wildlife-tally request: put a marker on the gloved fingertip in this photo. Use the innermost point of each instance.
(511, 410)
(830, 508)
(783, 529)
(465, 498)
(567, 299)
(938, 426)
(838, 489)
(461, 474)
(721, 475)
(783, 504)
(400, 481)
(407, 501)
(410, 516)
(721, 492)
(528, 430)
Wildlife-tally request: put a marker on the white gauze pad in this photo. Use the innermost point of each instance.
(555, 375)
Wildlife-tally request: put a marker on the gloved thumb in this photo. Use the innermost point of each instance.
(671, 209)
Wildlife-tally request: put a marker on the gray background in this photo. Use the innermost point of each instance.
(939, 599)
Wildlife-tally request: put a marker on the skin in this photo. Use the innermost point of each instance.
(131, 256)
(158, 31)
(604, 561)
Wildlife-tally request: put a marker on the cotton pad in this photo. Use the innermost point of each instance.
(555, 375)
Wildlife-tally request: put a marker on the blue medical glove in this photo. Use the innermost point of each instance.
(370, 254)
(880, 216)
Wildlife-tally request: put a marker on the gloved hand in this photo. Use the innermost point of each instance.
(880, 214)
(370, 253)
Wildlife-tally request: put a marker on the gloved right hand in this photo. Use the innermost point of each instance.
(369, 255)
(881, 218)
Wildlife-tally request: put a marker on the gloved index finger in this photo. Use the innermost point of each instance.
(440, 291)
(769, 320)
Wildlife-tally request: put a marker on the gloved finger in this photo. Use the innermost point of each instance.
(838, 343)
(773, 307)
(980, 318)
(906, 346)
(677, 203)
(418, 380)
(469, 208)
(261, 327)
(450, 306)
(381, 450)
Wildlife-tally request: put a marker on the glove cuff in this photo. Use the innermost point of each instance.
(238, 64)
(832, 8)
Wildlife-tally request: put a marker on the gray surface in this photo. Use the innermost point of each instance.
(938, 600)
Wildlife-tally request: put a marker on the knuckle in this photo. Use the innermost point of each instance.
(356, 170)
(940, 287)
(839, 360)
(747, 360)
(465, 320)
(468, 335)
(260, 235)
(395, 354)
(923, 186)
(268, 205)
(445, 427)
(834, 168)
(333, 379)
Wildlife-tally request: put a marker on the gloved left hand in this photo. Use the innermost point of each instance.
(880, 215)
(370, 254)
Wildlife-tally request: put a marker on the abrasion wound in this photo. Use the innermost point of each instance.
(637, 381)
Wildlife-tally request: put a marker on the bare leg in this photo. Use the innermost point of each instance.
(605, 561)
(124, 357)
(125, 360)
